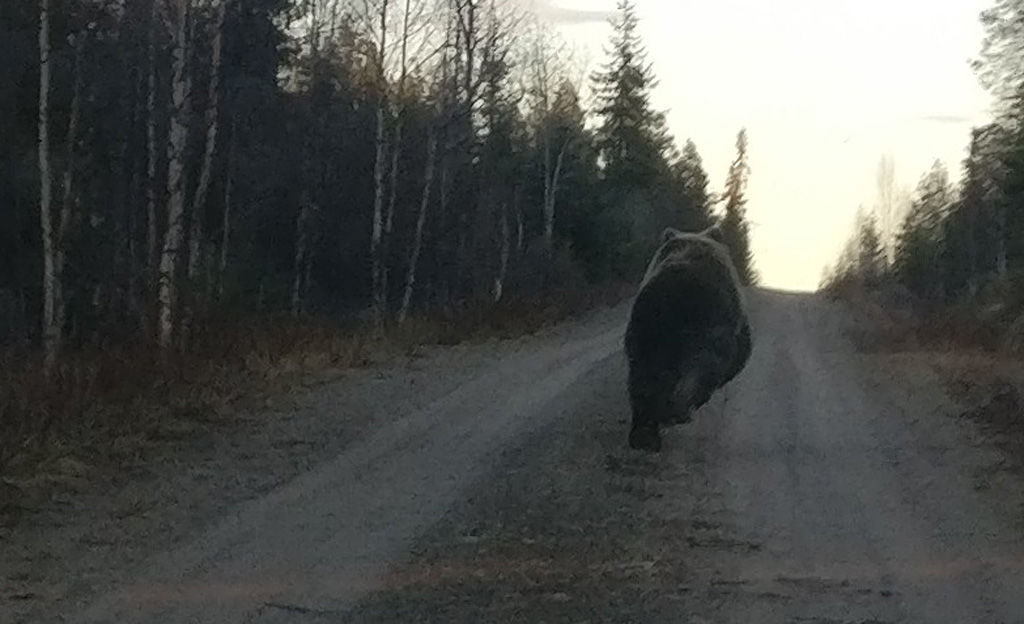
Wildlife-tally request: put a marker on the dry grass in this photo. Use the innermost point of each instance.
(974, 348)
(103, 406)
(892, 320)
(989, 388)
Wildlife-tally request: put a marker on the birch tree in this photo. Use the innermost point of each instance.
(54, 235)
(212, 127)
(68, 192)
(225, 222)
(545, 76)
(145, 208)
(398, 112)
(421, 220)
(152, 226)
(198, 206)
(50, 328)
(303, 260)
(379, 286)
(177, 25)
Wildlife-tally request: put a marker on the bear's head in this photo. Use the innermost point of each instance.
(714, 233)
(705, 248)
(692, 245)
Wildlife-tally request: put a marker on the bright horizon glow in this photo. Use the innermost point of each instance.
(824, 90)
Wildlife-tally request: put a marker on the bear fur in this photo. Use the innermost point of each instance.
(688, 332)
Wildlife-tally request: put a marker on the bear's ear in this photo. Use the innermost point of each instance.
(715, 233)
(669, 234)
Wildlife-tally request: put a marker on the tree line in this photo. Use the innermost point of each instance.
(957, 241)
(167, 161)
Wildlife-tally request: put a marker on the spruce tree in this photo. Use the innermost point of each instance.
(696, 200)
(919, 246)
(734, 222)
(870, 252)
(631, 138)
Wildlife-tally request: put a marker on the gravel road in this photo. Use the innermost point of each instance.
(816, 488)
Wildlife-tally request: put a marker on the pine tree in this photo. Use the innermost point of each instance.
(631, 139)
(870, 251)
(1002, 51)
(920, 242)
(968, 253)
(689, 171)
(1000, 68)
(734, 221)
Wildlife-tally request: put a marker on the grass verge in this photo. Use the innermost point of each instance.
(101, 406)
(975, 349)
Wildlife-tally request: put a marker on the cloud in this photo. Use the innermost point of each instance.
(562, 15)
(946, 119)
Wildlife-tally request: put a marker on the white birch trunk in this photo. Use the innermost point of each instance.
(552, 175)
(499, 280)
(68, 194)
(225, 233)
(301, 254)
(379, 294)
(173, 235)
(421, 220)
(198, 206)
(152, 229)
(443, 218)
(389, 217)
(541, 77)
(396, 146)
(519, 231)
(50, 329)
(549, 216)
(212, 110)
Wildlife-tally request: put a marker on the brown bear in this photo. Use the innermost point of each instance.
(688, 332)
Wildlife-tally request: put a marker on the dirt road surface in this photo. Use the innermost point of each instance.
(820, 487)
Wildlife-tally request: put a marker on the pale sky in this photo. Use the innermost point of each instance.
(824, 88)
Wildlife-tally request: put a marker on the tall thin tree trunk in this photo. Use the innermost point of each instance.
(389, 216)
(517, 208)
(50, 329)
(301, 256)
(225, 233)
(212, 110)
(549, 214)
(552, 177)
(499, 280)
(972, 250)
(196, 234)
(421, 220)
(549, 217)
(519, 231)
(193, 259)
(173, 235)
(152, 228)
(396, 148)
(379, 287)
(443, 239)
(308, 269)
(136, 271)
(379, 294)
(68, 194)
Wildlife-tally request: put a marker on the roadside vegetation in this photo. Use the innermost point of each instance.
(936, 275)
(946, 261)
(204, 196)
